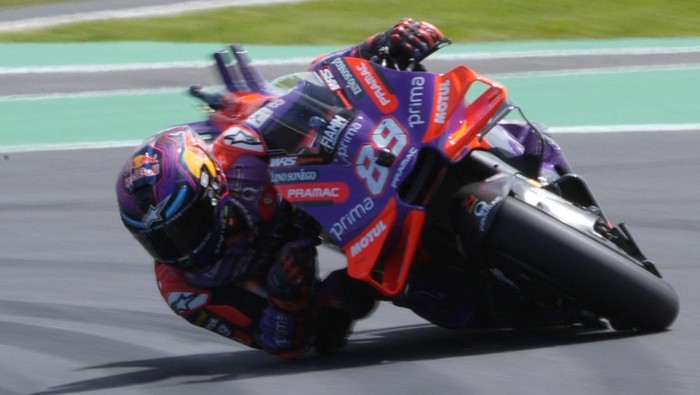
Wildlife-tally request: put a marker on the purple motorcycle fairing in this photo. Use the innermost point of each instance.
(361, 139)
(389, 117)
(348, 192)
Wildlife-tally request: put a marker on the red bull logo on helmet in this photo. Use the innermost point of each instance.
(141, 160)
(142, 166)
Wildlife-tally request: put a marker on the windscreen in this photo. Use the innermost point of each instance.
(307, 115)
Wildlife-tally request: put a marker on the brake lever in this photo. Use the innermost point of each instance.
(440, 45)
(383, 59)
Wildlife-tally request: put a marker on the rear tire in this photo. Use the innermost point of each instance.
(605, 280)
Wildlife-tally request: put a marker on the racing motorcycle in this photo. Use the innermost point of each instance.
(394, 167)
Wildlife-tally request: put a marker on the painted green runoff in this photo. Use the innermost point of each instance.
(641, 97)
(624, 97)
(93, 119)
(664, 96)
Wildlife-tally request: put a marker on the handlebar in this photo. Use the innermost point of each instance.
(213, 100)
(384, 59)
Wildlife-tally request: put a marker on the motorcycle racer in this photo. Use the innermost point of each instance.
(231, 256)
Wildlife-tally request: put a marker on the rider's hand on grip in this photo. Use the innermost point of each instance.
(412, 39)
(407, 40)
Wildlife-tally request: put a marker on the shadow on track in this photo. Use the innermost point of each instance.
(405, 343)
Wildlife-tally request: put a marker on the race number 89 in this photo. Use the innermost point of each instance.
(387, 135)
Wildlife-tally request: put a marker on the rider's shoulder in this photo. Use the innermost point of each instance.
(239, 140)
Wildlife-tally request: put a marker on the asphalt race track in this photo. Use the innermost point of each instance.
(79, 309)
(80, 312)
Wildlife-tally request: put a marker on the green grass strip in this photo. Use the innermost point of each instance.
(347, 21)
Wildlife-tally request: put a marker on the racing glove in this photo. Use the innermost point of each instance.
(408, 39)
(291, 278)
(284, 328)
(283, 333)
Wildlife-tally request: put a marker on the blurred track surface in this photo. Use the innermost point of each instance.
(79, 309)
(80, 312)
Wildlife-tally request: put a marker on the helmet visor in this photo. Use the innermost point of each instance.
(179, 238)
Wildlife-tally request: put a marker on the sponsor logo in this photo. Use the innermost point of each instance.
(238, 137)
(249, 193)
(186, 301)
(348, 77)
(142, 166)
(294, 176)
(223, 330)
(351, 217)
(402, 166)
(371, 82)
(153, 213)
(415, 102)
(283, 161)
(336, 192)
(480, 209)
(140, 161)
(211, 324)
(368, 238)
(329, 79)
(443, 102)
(344, 142)
(329, 137)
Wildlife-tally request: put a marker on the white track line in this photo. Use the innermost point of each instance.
(138, 12)
(67, 147)
(135, 67)
(104, 68)
(687, 127)
(89, 94)
(554, 53)
(448, 57)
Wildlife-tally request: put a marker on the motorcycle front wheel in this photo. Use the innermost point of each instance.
(603, 279)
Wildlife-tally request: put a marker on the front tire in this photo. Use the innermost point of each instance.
(605, 280)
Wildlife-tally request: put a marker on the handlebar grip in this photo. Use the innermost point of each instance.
(213, 100)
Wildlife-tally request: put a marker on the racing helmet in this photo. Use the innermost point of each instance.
(172, 197)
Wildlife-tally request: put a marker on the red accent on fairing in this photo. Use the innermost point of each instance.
(373, 84)
(476, 114)
(239, 105)
(363, 252)
(450, 89)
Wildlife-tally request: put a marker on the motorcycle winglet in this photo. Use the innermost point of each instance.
(388, 276)
(477, 113)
